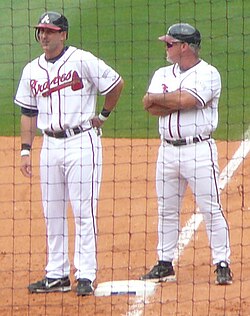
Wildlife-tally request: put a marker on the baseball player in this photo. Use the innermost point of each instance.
(57, 93)
(185, 96)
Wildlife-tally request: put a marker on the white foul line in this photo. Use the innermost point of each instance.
(136, 309)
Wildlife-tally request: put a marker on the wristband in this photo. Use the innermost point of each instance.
(25, 152)
(102, 118)
(105, 112)
(26, 146)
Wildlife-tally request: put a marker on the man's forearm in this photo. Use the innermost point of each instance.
(28, 129)
(176, 100)
(158, 110)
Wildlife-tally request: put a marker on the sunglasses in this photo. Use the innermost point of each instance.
(169, 45)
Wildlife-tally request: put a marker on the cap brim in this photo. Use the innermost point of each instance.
(166, 38)
(47, 26)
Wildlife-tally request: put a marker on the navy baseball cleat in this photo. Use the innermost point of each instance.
(48, 285)
(84, 287)
(161, 272)
(223, 274)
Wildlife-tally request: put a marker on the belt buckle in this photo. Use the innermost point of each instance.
(73, 131)
(76, 130)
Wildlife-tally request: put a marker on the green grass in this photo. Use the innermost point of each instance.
(124, 33)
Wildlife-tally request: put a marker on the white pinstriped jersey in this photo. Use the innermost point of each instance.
(202, 81)
(65, 92)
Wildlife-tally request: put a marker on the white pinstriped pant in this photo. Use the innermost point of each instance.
(70, 170)
(195, 165)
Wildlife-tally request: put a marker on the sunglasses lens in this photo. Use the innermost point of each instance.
(169, 45)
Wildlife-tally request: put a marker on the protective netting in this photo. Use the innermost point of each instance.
(124, 33)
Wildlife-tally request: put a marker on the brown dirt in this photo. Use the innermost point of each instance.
(127, 226)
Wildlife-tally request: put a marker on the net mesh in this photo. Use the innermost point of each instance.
(124, 33)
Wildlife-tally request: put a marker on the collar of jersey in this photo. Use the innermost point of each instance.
(53, 60)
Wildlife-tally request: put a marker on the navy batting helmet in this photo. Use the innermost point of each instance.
(183, 32)
(52, 20)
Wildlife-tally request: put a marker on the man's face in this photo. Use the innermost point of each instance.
(51, 41)
(173, 51)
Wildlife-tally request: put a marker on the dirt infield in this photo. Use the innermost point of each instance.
(127, 227)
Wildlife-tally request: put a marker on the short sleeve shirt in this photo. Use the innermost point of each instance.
(65, 92)
(203, 81)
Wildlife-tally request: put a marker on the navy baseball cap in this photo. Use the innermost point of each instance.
(182, 32)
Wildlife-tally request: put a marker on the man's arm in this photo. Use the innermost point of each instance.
(159, 110)
(113, 96)
(162, 104)
(111, 99)
(28, 132)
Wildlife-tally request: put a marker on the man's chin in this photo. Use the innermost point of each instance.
(169, 60)
(44, 46)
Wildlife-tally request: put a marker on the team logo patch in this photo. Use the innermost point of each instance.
(164, 88)
(105, 74)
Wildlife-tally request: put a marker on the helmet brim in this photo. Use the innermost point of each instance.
(167, 39)
(47, 26)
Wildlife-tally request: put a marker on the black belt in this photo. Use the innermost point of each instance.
(184, 141)
(67, 132)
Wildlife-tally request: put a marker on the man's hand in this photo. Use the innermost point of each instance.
(26, 166)
(154, 108)
(97, 122)
(147, 101)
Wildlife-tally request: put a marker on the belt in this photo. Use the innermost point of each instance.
(67, 132)
(186, 141)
